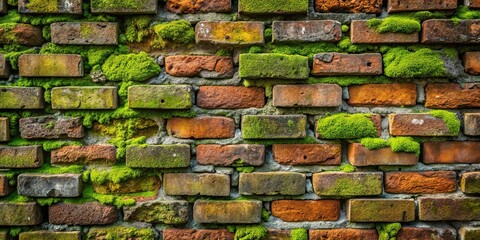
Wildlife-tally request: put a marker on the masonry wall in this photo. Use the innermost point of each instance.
(245, 120)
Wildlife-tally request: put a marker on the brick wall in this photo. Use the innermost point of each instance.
(242, 120)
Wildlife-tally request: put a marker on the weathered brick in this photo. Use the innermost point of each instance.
(51, 127)
(57, 6)
(4, 129)
(306, 210)
(3, 9)
(84, 33)
(272, 65)
(278, 234)
(201, 66)
(306, 31)
(421, 182)
(360, 156)
(470, 182)
(273, 127)
(203, 6)
(197, 234)
(347, 64)
(120, 232)
(134, 185)
(124, 7)
(91, 213)
(307, 95)
(50, 235)
(201, 127)
(21, 98)
(49, 185)
(280, 183)
(471, 62)
(449, 31)
(160, 96)
(381, 210)
(50, 65)
(452, 95)
(21, 157)
(24, 34)
(417, 124)
(339, 184)
(4, 234)
(451, 152)
(196, 184)
(103, 154)
(307, 154)
(342, 234)
(361, 33)
(84, 97)
(350, 6)
(20, 214)
(409, 233)
(469, 233)
(4, 67)
(448, 209)
(168, 212)
(471, 124)
(272, 7)
(5, 187)
(230, 97)
(228, 155)
(158, 156)
(397, 94)
(230, 33)
(217, 211)
(472, 3)
(423, 5)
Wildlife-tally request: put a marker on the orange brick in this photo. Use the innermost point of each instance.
(326, 64)
(421, 182)
(306, 210)
(451, 152)
(472, 63)
(203, 6)
(452, 95)
(307, 154)
(343, 234)
(472, 3)
(226, 155)
(417, 124)
(307, 95)
(202, 66)
(449, 31)
(353, 6)
(201, 127)
(420, 5)
(382, 94)
(418, 233)
(230, 97)
(360, 156)
(361, 33)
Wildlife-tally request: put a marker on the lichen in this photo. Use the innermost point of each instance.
(298, 234)
(130, 67)
(346, 126)
(397, 144)
(137, 28)
(180, 31)
(271, 65)
(44, 6)
(450, 119)
(255, 232)
(388, 231)
(401, 62)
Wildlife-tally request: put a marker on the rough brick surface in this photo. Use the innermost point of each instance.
(230, 97)
(50, 65)
(134, 185)
(423, 5)
(227, 155)
(452, 95)
(360, 156)
(5, 187)
(59, 6)
(196, 184)
(338, 184)
(24, 34)
(20, 214)
(447, 208)
(50, 127)
(84, 98)
(448, 31)
(451, 152)
(214, 211)
(472, 3)
(158, 156)
(201, 127)
(168, 212)
(347, 64)
(470, 182)
(230, 33)
(4, 67)
(311, 95)
(201, 66)
(352, 6)
(421, 182)
(87, 33)
(408, 233)
(21, 98)
(4, 129)
(306, 31)
(417, 124)
(202, 6)
(92, 213)
(471, 62)
(361, 33)
(472, 124)
(121, 232)
(102, 154)
(280, 183)
(382, 95)
(197, 234)
(160, 97)
(343, 234)
(469, 233)
(273, 127)
(51, 235)
(21, 157)
(380, 210)
(3, 9)
(124, 7)
(306, 210)
(49, 185)
(307, 154)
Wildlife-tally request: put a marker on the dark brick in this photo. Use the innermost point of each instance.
(20, 214)
(91, 213)
(469, 233)
(51, 127)
(168, 212)
(470, 182)
(343, 234)
(307, 31)
(124, 7)
(24, 34)
(412, 233)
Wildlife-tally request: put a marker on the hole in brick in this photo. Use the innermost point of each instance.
(369, 64)
(304, 157)
(162, 101)
(301, 93)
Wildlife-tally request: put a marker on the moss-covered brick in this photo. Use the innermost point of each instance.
(444, 123)
(50, 6)
(273, 6)
(348, 126)
(273, 127)
(272, 65)
(84, 33)
(470, 182)
(20, 214)
(306, 31)
(17, 33)
(361, 33)
(230, 33)
(227, 211)
(50, 235)
(21, 98)
(84, 97)
(120, 232)
(168, 212)
(413, 5)
(130, 67)
(360, 156)
(196, 184)
(124, 6)
(381, 210)
(132, 185)
(338, 184)
(279, 183)
(49, 185)
(160, 96)
(469, 233)
(21, 157)
(450, 31)
(4, 129)
(158, 156)
(400, 62)
(448, 209)
(203, 6)
(50, 65)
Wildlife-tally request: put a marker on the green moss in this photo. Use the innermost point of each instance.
(348, 186)
(8, 36)
(137, 28)
(46, 168)
(402, 22)
(120, 232)
(255, 66)
(388, 231)
(180, 31)
(248, 169)
(463, 12)
(299, 234)
(130, 67)
(349, 80)
(374, 143)
(116, 174)
(13, 52)
(267, 34)
(116, 4)
(14, 17)
(273, 6)
(450, 119)
(224, 53)
(404, 144)
(346, 126)
(255, 232)
(43, 6)
(347, 168)
(345, 28)
(48, 145)
(13, 118)
(404, 63)
(265, 214)
(12, 2)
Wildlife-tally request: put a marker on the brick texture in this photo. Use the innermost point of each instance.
(5, 187)
(471, 62)
(102, 154)
(362, 6)
(55, 65)
(413, 5)
(452, 95)
(421, 182)
(382, 95)
(4, 129)
(282, 183)
(441, 209)
(202, 66)
(472, 124)
(338, 184)
(201, 127)
(196, 234)
(227, 155)
(24, 34)
(74, 235)
(469, 182)
(60, 6)
(21, 157)
(273, 127)
(20, 214)
(380, 210)
(227, 211)
(203, 6)
(407, 233)
(84, 98)
(360, 156)
(311, 95)
(50, 127)
(360, 33)
(88, 33)
(306, 210)
(307, 154)
(343, 234)
(306, 31)
(448, 31)
(168, 212)
(230, 97)
(347, 64)
(4, 67)
(21, 98)
(417, 124)
(230, 33)
(160, 97)
(196, 184)
(158, 156)
(451, 152)
(92, 213)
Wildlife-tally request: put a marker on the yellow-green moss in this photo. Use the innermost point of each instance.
(463, 12)
(116, 174)
(401, 62)
(137, 28)
(14, 51)
(130, 67)
(48, 145)
(349, 80)
(388, 231)
(346, 126)
(180, 31)
(397, 144)
(116, 4)
(8, 36)
(298, 234)
(402, 22)
(250, 232)
(120, 232)
(450, 119)
(270, 65)
(43, 6)
(273, 6)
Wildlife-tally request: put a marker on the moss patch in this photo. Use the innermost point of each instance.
(388, 231)
(130, 67)
(116, 4)
(401, 62)
(180, 31)
(43, 6)
(255, 232)
(137, 28)
(397, 144)
(346, 126)
(116, 174)
(280, 66)
(450, 119)
(273, 6)
(402, 22)
(463, 12)
(299, 234)
(120, 232)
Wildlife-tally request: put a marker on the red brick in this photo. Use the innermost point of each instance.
(50, 65)
(84, 33)
(230, 97)
(307, 95)
(202, 66)
(421, 182)
(343, 234)
(226, 155)
(417, 124)
(452, 95)
(451, 152)
(92, 213)
(306, 31)
(448, 209)
(93, 154)
(24, 34)
(5, 187)
(382, 95)
(201, 127)
(420, 5)
(306, 210)
(470, 182)
(51, 127)
(472, 3)
(472, 63)
(352, 6)
(4, 67)
(419, 233)
(230, 33)
(360, 156)
(4, 129)
(202, 6)
(361, 33)
(62, 6)
(188, 184)
(307, 154)
(449, 31)
(197, 234)
(326, 64)
(381, 210)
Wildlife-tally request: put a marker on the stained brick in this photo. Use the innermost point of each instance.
(227, 155)
(382, 95)
(103, 154)
(196, 184)
(470, 182)
(91, 213)
(203, 6)
(338, 184)
(361, 33)
(51, 127)
(416, 5)
(306, 210)
(84, 97)
(449, 31)
(85, 33)
(306, 31)
(472, 124)
(360, 156)
(272, 65)
(230, 97)
(272, 7)
(120, 232)
(469, 233)
(24, 34)
(381, 210)
(158, 156)
(273, 127)
(448, 209)
(452, 95)
(409, 233)
(4, 67)
(201, 127)
(343, 234)
(417, 124)
(4, 129)
(347, 64)
(168, 212)
(21, 157)
(471, 61)
(451, 152)
(280, 183)
(21, 98)
(230, 33)
(201, 66)
(51, 235)
(134, 185)
(307, 154)
(217, 211)
(307, 95)
(49, 185)
(472, 3)
(160, 97)
(5, 187)
(124, 7)
(20, 214)
(421, 182)
(279, 234)
(197, 234)
(351, 6)
(61, 6)
(50, 65)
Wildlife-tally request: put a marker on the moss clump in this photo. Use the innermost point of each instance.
(450, 119)
(116, 174)
(403, 22)
(43, 6)
(256, 232)
(116, 4)
(270, 65)
(273, 6)
(463, 12)
(397, 144)
(265, 215)
(345, 28)
(14, 51)
(299, 234)
(410, 63)
(388, 231)
(8, 36)
(346, 126)
(180, 31)
(248, 169)
(130, 67)
(374, 143)
(137, 28)
(120, 232)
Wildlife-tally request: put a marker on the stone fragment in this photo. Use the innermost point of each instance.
(84, 33)
(306, 31)
(50, 65)
(51, 127)
(49, 185)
